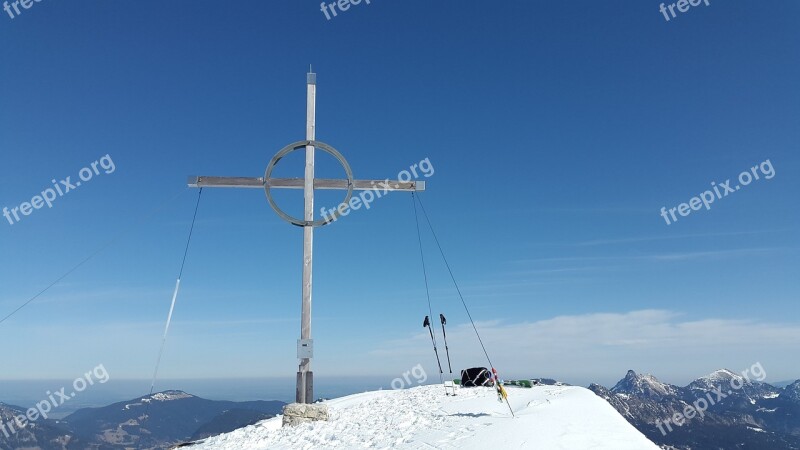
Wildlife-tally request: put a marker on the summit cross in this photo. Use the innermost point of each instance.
(305, 345)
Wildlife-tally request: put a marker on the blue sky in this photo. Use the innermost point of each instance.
(557, 130)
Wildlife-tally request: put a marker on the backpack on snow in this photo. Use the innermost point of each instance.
(476, 376)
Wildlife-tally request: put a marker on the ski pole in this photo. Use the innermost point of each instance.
(427, 324)
(446, 348)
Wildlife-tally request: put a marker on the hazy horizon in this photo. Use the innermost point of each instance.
(245, 389)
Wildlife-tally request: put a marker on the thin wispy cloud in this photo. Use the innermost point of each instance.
(669, 237)
(669, 256)
(604, 345)
(596, 210)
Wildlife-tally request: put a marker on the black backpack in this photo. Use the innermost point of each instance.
(476, 376)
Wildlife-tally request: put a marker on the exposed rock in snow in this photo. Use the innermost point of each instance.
(547, 417)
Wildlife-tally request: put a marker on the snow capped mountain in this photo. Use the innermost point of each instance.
(720, 378)
(163, 419)
(166, 396)
(792, 392)
(46, 434)
(547, 417)
(737, 412)
(732, 389)
(174, 417)
(642, 399)
(643, 385)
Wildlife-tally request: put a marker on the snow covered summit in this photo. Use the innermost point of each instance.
(548, 418)
(642, 385)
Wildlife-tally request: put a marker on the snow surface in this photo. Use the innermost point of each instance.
(548, 418)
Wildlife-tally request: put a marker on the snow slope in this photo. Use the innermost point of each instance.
(548, 418)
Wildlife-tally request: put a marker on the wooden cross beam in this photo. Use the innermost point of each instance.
(299, 183)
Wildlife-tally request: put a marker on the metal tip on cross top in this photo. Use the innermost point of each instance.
(311, 77)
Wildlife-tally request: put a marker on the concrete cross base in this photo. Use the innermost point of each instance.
(297, 413)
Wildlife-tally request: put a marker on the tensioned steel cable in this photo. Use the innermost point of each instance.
(175, 293)
(463, 302)
(171, 310)
(92, 255)
(427, 290)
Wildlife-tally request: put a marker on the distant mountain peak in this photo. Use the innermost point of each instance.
(721, 379)
(792, 391)
(642, 384)
(166, 396)
(730, 400)
(171, 417)
(724, 375)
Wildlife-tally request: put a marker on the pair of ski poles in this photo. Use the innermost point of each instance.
(427, 324)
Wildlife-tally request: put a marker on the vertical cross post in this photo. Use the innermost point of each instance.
(305, 377)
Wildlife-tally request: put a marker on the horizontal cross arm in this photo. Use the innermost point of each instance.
(231, 182)
(297, 183)
(358, 185)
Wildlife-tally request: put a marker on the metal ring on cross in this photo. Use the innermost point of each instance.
(297, 146)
